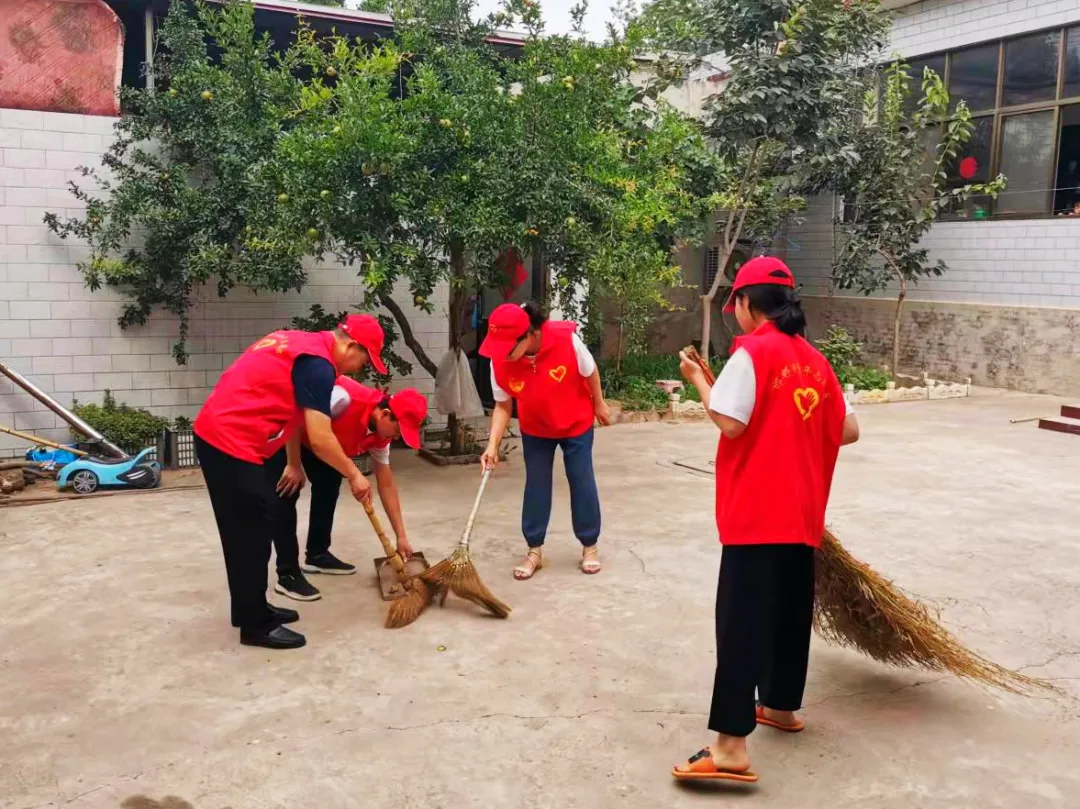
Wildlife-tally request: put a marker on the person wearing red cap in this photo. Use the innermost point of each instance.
(364, 420)
(281, 383)
(783, 418)
(545, 367)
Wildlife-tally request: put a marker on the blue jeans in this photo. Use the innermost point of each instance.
(584, 500)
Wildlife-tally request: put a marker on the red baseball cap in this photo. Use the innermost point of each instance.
(366, 331)
(760, 270)
(409, 407)
(506, 326)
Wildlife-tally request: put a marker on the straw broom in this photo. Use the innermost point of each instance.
(457, 572)
(406, 609)
(858, 608)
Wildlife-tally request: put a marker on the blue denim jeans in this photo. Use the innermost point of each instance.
(584, 500)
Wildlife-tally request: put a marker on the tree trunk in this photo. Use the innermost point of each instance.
(407, 335)
(885, 254)
(736, 218)
(458, 295)
(896, 326)
(619, 349)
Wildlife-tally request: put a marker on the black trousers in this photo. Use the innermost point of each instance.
(325, 482)
(245, 508)
(764, 614)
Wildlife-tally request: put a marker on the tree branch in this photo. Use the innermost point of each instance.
(731, 238)
(407, 333)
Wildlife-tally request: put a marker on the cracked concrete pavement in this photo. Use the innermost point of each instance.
(121, 677)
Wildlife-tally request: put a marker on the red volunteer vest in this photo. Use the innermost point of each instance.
(252, 411)
(773, 481)
(553, 398)
(351, 427)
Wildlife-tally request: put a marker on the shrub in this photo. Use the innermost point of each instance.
(839, 348)
(635, 384)
(842, 351)
(130, 428)
(866, 378)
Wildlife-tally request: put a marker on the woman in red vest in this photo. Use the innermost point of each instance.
(546, 368)
(282, 382)
(783, 418)
(364, 420)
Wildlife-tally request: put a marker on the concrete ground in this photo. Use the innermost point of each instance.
(121, 677)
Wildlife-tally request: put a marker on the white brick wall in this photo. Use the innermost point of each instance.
(65, 337)
(936, 25)
(1017, 263)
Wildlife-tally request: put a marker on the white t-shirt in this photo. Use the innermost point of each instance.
(339, 403)
(585, 365)
(735, 391)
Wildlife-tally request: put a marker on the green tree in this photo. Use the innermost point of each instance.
(791, 68)
(899, 184)
(419, 161)
(199, 189)
(548, 150)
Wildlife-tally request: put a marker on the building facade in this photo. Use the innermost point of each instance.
(1007, 311)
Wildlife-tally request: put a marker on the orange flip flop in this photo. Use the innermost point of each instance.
(763, 720)
(702, 768)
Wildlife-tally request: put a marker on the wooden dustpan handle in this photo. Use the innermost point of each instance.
(391, 552)
(703, 363)
(464, 542)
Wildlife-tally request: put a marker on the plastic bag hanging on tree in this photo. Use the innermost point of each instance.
(455, 390)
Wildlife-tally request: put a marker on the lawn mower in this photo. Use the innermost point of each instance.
(85, 471)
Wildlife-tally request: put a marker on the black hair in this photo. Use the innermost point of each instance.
(385, 405)
(537, 314)
(778, 303)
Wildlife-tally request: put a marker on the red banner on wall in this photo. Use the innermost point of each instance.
(60, 56)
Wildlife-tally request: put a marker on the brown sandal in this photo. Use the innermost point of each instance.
(534, 560)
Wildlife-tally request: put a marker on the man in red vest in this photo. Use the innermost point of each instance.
(364, 420)
(281, 383)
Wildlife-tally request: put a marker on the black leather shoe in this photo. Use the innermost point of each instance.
(281, 615)
(273, 637)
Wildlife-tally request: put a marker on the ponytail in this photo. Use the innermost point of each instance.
(780, 304)
(537, 314)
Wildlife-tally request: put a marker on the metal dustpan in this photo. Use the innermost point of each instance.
(389, 586)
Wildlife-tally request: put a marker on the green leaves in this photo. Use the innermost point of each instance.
(393, 158)
(895, 190)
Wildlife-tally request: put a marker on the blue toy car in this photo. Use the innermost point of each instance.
(85, 475)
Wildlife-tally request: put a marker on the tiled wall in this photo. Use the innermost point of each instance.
(936, 25)
(65, 337)
(1028, 262)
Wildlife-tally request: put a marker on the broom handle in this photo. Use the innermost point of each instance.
(391, 552)
(33, 439)
(703, 363)
(464, 543)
